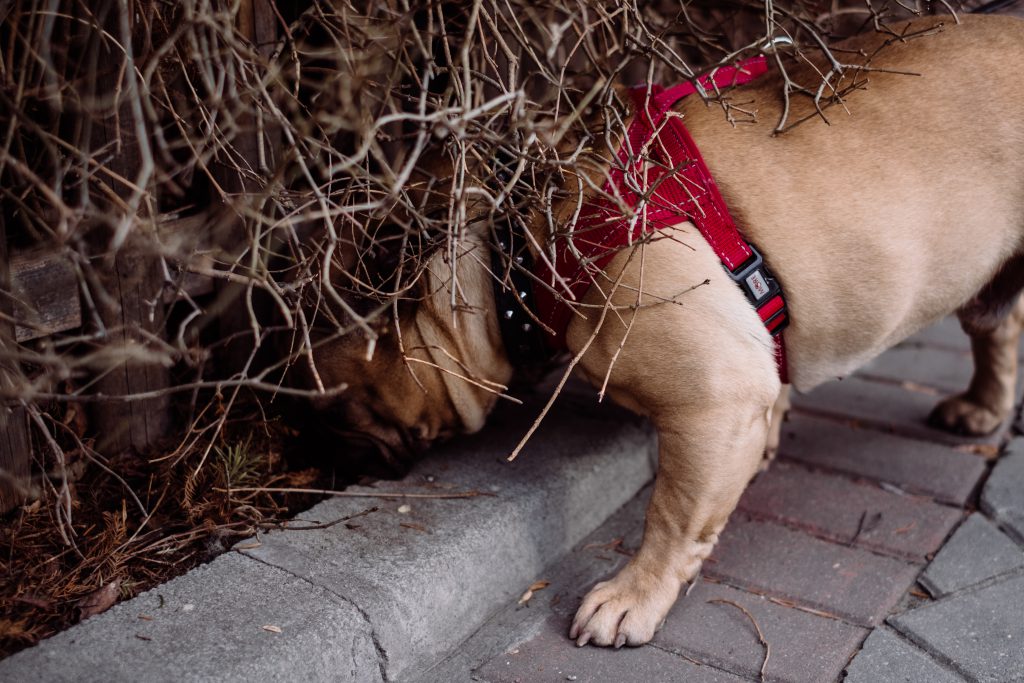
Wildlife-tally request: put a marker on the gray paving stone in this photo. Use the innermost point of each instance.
(854, 584)
(924, 368)
(207, 625)
(426, 578)
(885, 406)
(946, 370)
(915, 466)
(549, 658)
(975, 553)
(855, 512)
(804, 647)
(1003, 495)
(979, 632)
(946, 333)
(888, 658)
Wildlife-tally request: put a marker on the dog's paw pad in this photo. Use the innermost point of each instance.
(959, 415)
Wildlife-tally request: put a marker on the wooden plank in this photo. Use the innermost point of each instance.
(133, 278)
(46, 297)
(45, 285)
(15, 445)
(257, 22)
(265, 26)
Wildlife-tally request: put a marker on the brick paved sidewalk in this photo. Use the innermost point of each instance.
(874, 549)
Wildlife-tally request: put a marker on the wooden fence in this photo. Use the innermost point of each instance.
(45, 300)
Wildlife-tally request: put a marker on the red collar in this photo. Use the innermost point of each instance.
(679, 185)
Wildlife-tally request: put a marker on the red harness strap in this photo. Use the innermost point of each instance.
(660, 163)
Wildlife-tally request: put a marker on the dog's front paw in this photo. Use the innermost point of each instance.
(624, 611)
(960, 415)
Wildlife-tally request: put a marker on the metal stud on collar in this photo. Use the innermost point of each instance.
(524, 341)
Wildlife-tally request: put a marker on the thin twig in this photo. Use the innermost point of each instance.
(760, 636)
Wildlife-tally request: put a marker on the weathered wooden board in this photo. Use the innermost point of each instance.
(133, 312)
(46, 289)
(46, 294)
(257, 23)
(15, 446)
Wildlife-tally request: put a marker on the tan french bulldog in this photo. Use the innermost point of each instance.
(907, 207)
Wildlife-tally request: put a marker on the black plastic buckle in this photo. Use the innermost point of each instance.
(760, 287)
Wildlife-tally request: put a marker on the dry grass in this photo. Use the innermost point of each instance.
(151, 522)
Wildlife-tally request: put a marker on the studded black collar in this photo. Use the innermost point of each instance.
(513, 297)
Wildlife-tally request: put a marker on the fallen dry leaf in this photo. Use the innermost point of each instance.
(919, 388)
(302, 478)
(13, 629)
(534, 587)
(41, 603)
(271, 628)
(610, 545)
(989, 451)
(100, 600)
(75, 418)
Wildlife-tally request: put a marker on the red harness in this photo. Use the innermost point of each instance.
(659, 161)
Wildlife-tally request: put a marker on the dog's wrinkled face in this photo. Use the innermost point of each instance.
(437, 369)
(398, 405)
(433, 374)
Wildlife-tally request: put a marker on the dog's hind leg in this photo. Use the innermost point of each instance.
(989, 398)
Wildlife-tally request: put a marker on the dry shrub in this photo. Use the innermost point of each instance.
(251, 178)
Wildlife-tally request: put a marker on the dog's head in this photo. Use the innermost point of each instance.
(418, 372)
(435, 364)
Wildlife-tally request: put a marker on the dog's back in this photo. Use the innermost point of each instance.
(899, 211)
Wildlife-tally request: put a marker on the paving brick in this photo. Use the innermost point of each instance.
(981, 632)
(946, 334)
(887, 657)
(915, 466)
(975, 553)
(885, 406)
(946, 370)
(1003, 495)
(549, 657)
(804, 647)
(852, 583)
(856, 512)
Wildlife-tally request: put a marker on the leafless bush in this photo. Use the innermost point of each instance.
(233, 181)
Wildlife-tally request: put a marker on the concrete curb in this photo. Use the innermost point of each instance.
(389, 597)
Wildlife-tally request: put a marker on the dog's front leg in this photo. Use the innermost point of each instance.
(706, 458)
